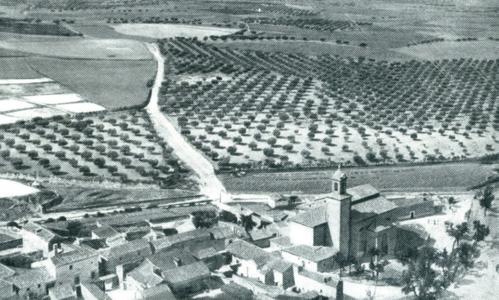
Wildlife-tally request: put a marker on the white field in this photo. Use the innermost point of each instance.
(9, 188)
(24, 81)
(451, 49)
(7, 120)
(44, 112)
(80, 107)
(12, 104)
(171, 30)
(54, 99)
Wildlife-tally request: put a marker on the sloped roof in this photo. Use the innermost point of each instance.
(170, 259)
(312, 217)
(312, 253)
(64, 291)
(127, 248)
(279, 265)
(5, 271)
(78, 254)
(40, 231)
(25, 278)
(187, 273)
(159, 292)
(248, 251)
(95, 291)
(362, 192)
(145, 276)
(105, 231)
(194, 235)
(377, 205)
(261, 234)
(10, 188)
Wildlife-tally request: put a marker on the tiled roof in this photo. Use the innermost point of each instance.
(64, 291)
(171, 259)
(187, 273)
(159, 292)
(279, 265)
(248, 251)
(220, 232)
(145, 276)
(6, 271)
(169, 241)
(78, 254)
(128, 248)
(377, 205)
(312, 253)
(362, 192)
(25, 278)
(319, 277)
(312, 217)
(261, 234)
(95, 291)
(40, 231)
(105, 231)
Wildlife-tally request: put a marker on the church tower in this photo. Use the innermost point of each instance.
(338, 210)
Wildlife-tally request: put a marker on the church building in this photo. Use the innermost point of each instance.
(350, 220)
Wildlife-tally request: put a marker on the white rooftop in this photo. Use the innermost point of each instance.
(9, 188)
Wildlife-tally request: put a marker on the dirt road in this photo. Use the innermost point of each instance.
(209, 183)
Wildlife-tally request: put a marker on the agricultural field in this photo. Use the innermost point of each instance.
(107, 82)
(83, 197)
(82, 48)
(159, 31)
(274, 109)
(16, 67)
(452, 177)
(119, 147)
(24, 99)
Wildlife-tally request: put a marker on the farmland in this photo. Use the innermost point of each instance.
(158, 31)
(110, 146)
(276, 109)
(452, 177)
(107, 82)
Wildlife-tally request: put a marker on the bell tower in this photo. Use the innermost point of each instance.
(339, 183)
(338, 210)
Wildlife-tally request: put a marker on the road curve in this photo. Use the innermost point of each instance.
(210, 185)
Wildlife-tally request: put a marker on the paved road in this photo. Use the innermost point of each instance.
(210, 185)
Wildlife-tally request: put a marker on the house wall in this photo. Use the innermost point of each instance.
(247, 268)
(78, 272)
(420, 209)
(306, 284)
(299, 261)
(285, 279)
(301, 234)
(32, 242)
(109, 265)
(322, 236)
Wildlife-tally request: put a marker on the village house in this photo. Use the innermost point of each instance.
(38, 238)
(249, 260)
(74, 266)
(128, 255)
(9, 242)
(187, 279)
(142, 278)
(312, 258)
(33, 282)
(181, 239)
(90, 291)
(111, 236)
(62, 292)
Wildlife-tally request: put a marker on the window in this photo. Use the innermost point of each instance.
(77, 279)
(335, 186)
(71, 267)
(92, 274)
(39, 285)
(412, 214)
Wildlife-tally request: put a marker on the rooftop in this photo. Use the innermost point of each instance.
(105, 232)
(376, 205)
(145, 276)
(25, 278)
(159, 292)
(169, 241)
(279, 265)
(9, 189)
(248, 251)
(127, 248)
(261, 234)
(187, 273)
(312, 253)
(64, 291)
(171, 259)
(319, 277)
(40, 231)
(362, 192)
(95, 291)
(312, 217)
(77, 254)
